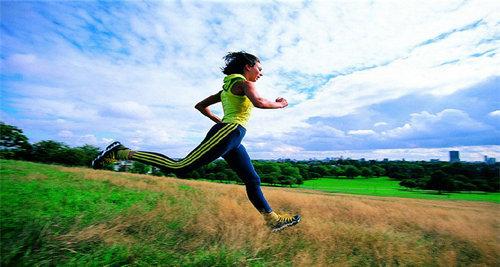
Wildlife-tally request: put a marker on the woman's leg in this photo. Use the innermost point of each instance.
(239, 161)
(220, 139)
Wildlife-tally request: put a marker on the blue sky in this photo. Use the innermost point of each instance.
(371, 79)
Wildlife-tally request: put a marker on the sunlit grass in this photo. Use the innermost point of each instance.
(126, 219)
(384, 186)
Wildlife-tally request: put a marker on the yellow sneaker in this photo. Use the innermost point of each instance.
(279, 222)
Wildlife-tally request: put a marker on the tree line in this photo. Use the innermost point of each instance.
(441, 176)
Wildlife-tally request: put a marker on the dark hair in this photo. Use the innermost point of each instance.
(236, 61)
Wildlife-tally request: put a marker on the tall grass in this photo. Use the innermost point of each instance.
(192, 223)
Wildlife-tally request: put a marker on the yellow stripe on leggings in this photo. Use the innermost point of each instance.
(199, 153)
(204, 148)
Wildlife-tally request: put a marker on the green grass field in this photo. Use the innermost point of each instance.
(57, 216)
(386, 187)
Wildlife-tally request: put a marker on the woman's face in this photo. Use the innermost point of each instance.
(253, 73)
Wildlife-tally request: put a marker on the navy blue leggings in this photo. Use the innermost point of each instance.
(223, 140)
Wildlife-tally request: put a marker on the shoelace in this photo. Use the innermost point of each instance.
(285, 219)
(110, 158)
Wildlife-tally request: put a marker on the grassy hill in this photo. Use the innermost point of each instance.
(52, 215)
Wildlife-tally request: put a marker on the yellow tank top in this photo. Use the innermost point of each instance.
(237, 108)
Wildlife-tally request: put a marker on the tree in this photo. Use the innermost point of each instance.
(290, 171)
(13, 143)
(231, 175)
(378, 171)
(351, 171)
(408, 183)
(85, 154)
(192, 174)
(158, 172)
(289, 174)
(269, 172)
(49, 151)
(304, 170)
(138, 167)
(322, 170)
(366, 172)
(440, 181)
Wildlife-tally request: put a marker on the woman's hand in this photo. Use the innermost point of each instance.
(282, 101)
(260, 102)
(203, 105)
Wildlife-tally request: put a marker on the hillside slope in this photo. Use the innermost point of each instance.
(57, 215)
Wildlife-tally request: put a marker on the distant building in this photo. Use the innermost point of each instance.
(434, 160)
(454, 156)
(490, 161)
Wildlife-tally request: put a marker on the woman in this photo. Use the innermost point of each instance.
(238, 97)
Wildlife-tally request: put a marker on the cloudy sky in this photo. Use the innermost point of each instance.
(372, 79)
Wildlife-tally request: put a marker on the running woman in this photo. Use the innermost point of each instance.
(238, 97)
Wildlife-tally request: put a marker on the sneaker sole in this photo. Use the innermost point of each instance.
(104, 153)
(286, 225)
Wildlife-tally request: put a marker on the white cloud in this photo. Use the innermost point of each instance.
(361, 132)
(65, 134)
(287, 149)
(495, 113)
(88, 139)
(380, 124)
(448, 122)
(127, 109)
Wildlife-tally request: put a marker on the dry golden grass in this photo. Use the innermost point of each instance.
(338, 230)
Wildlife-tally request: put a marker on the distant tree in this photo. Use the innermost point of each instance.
(221, 176)
(366, 172)
(157, 171)
(335, 171)
(211, 177)
(269, 172)
(378, 171)
(121, 167)
(290, 171)
(232, 176)
(351, 171)
(289, 174)
(271, 178)
(192, 174)
(299, 181)
(440, 181)
(304, 171)
(415, 171)
(468, 186)
(286, 180)
(13, 143)
(408, 183)
(339, 171)
(78, 156)
(320, 169)
(86, 154)
(49, 151)
(138, 167)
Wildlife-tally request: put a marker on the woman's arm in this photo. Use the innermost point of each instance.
(203, 105)
(260, 102)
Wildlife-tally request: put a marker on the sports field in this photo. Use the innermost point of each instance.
(384, 186)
